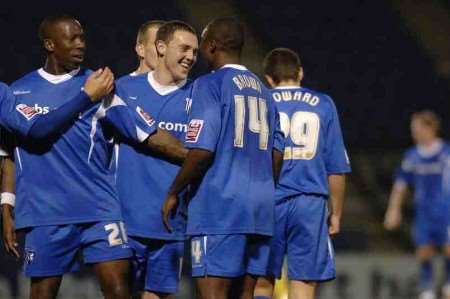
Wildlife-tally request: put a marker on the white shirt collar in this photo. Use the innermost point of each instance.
(235, 66)
(287, 87)
(133, 74)
(430, 150)
(163, 89)
(56, 79)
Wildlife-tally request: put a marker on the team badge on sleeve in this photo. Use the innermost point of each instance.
(145, 116)
(194, 130)
(27, 111)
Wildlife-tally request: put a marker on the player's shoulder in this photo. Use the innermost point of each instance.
(411, 153)
(25, 79)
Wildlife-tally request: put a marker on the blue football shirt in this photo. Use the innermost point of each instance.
(428, 174)
(233, 116)
(68, 178)
(314, 146)
(143, 179)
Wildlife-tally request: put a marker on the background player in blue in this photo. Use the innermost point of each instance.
(235, 152)
(315, 162)
(145, 47)
(425, 168)
(143, 180)
(65, 130)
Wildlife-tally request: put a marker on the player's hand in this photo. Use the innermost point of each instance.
(99, 84)
(392, 219)
(9, 231)
(334, 225)
(169, 209)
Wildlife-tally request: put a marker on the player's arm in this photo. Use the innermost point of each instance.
(393, 216)
(167, 146)
(278, 148)
(40, 126)
(336, 185)
(194, 168)
(7, 203)
(277, 163)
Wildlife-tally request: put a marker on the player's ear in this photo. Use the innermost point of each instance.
(212, 46)
(270, 81)
(49, 45)
(139, 50)
(161, 48)
(301, 74)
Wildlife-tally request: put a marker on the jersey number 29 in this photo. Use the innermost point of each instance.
(303, 129)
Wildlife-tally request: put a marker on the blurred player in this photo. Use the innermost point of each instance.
(64, 128)
(425, 168)
(143, 180)
(145, 47)
(314, 167)
(235, 152)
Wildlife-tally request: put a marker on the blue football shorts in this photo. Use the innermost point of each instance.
(53, 250)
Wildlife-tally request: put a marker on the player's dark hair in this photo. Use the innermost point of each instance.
(166, 31)
(228, 33)
(282, 64)
(428, 118)
(141, 36)
(49, 21)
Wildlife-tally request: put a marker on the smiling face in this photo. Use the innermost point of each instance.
(178, 54)
(66, 43)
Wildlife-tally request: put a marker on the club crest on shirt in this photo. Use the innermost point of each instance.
(27, 111)
(194, 130)
(145, 116)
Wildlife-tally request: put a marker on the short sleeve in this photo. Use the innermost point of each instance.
(130, 120)
(278, 135)
(205, 120)
(405, 173)
(336, 158)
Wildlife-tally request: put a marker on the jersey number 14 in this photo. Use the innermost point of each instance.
(257, 120)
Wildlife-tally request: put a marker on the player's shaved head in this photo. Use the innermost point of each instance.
(47, 26)
(282, 64)
(167, 30)
(227, 33)
(142, 36)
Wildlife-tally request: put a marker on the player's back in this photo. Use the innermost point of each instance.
(314, 146)
(236, 194)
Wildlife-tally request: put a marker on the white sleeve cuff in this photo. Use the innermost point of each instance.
(8, 198)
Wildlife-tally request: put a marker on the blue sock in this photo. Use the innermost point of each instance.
(447, 270)
(261, 297)
(426, 275)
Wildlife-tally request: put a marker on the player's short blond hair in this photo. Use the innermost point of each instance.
(141, 36)
(428, 118)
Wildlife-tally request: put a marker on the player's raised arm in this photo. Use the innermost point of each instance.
(166, 145)
(30, 123)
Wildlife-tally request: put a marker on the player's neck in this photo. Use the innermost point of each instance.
(163, 77)
(225, 59)
(142, 69)
(53, 67)
(288, 83)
